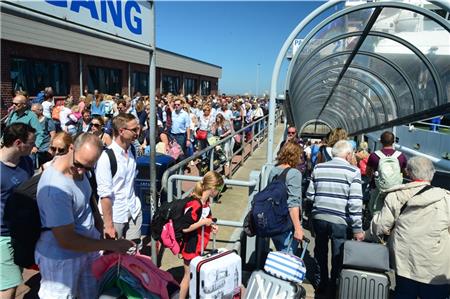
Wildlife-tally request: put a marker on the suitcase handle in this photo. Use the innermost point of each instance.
(214, 250)
(306, 242)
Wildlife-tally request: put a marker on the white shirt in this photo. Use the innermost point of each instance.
(228, 114)
(47, 109)
(120, 188)
(64, 116)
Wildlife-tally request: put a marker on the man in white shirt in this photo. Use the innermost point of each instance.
(121, 207)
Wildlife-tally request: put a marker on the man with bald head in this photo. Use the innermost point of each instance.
(23, 114)
(66, 250)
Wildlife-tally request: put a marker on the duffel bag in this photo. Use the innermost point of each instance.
(366, 256)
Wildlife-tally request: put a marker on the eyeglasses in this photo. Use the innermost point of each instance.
(58, 150)
(78, 165)
(291, 133)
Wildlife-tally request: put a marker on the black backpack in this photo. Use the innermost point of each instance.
(24, 221)
(113, 160)
(172, 210)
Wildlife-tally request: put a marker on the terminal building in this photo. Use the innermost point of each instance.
(75, 46)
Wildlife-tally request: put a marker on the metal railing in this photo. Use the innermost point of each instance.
(255, 142)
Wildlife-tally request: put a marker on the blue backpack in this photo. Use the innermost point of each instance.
(270, 210)
(314, 153)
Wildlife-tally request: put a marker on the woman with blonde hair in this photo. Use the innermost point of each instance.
(198, 215)
(288, 158)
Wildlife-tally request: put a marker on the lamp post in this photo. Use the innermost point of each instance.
(257, 79)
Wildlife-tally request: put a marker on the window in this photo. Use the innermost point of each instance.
(206, 87)
(106, 80)
(170, 84)
(190, 86)
(33, 75)
(139, 82)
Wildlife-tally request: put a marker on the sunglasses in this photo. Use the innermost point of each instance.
(58, 150)
(16, 104)
(177, 104)
(291, 133)
(96, 125)
(78, 165)
(219, 188)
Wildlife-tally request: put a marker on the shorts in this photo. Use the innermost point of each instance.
(67, 278)
(10, 273)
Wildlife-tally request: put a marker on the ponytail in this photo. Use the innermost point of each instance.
(198, 189)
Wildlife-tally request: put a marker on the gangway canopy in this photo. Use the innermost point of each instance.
(371, 66)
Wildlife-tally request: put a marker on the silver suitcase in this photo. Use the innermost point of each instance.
(363, 285)
(265, 286)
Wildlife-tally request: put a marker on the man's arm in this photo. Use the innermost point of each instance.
(68, 239)
(105, 192)
(355, 206)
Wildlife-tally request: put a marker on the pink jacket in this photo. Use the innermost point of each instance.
(152, 278)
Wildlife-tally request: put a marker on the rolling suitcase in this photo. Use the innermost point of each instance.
(265, 286)
(216, 275)
(363, 285)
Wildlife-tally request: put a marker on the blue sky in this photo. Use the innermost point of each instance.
(235, 35)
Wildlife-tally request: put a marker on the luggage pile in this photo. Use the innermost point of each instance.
(282, 277)
(364, 271)
(132, 276)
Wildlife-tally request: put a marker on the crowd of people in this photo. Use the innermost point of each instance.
(187, 120)
(347, 197)
(335, 182)
(100, 136)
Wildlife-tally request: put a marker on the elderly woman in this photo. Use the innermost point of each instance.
(416, 216)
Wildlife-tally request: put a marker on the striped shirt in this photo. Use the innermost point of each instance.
(336, 191)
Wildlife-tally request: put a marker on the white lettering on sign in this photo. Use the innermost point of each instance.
(296, 45)
(130, 19)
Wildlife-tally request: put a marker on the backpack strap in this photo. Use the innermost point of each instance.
(282, 176)
(112, 161)
(380, 154)
(396, 154)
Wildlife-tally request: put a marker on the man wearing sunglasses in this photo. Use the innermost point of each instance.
(23, 114)
(15, 167)
(181, 122)
(121, 207)
(291, 134)
(66, 251)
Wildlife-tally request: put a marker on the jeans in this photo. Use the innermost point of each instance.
(338, 233)
(282, 240)
(410, 289)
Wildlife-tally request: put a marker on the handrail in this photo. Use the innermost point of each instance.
(179, 165)
(422, 122)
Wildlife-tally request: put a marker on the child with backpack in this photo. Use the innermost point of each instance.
(198, 212)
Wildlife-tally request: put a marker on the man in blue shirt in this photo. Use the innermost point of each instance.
(16, 167)
(23, 114)
(180, 125)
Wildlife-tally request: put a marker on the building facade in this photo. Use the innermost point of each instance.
(36, 52)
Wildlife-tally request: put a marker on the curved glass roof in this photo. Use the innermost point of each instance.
(370, 67)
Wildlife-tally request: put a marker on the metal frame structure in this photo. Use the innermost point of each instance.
(317, 81)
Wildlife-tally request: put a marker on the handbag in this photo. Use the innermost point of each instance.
(248, 225)
(201, 134)
(213, 140)
(287, 266)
